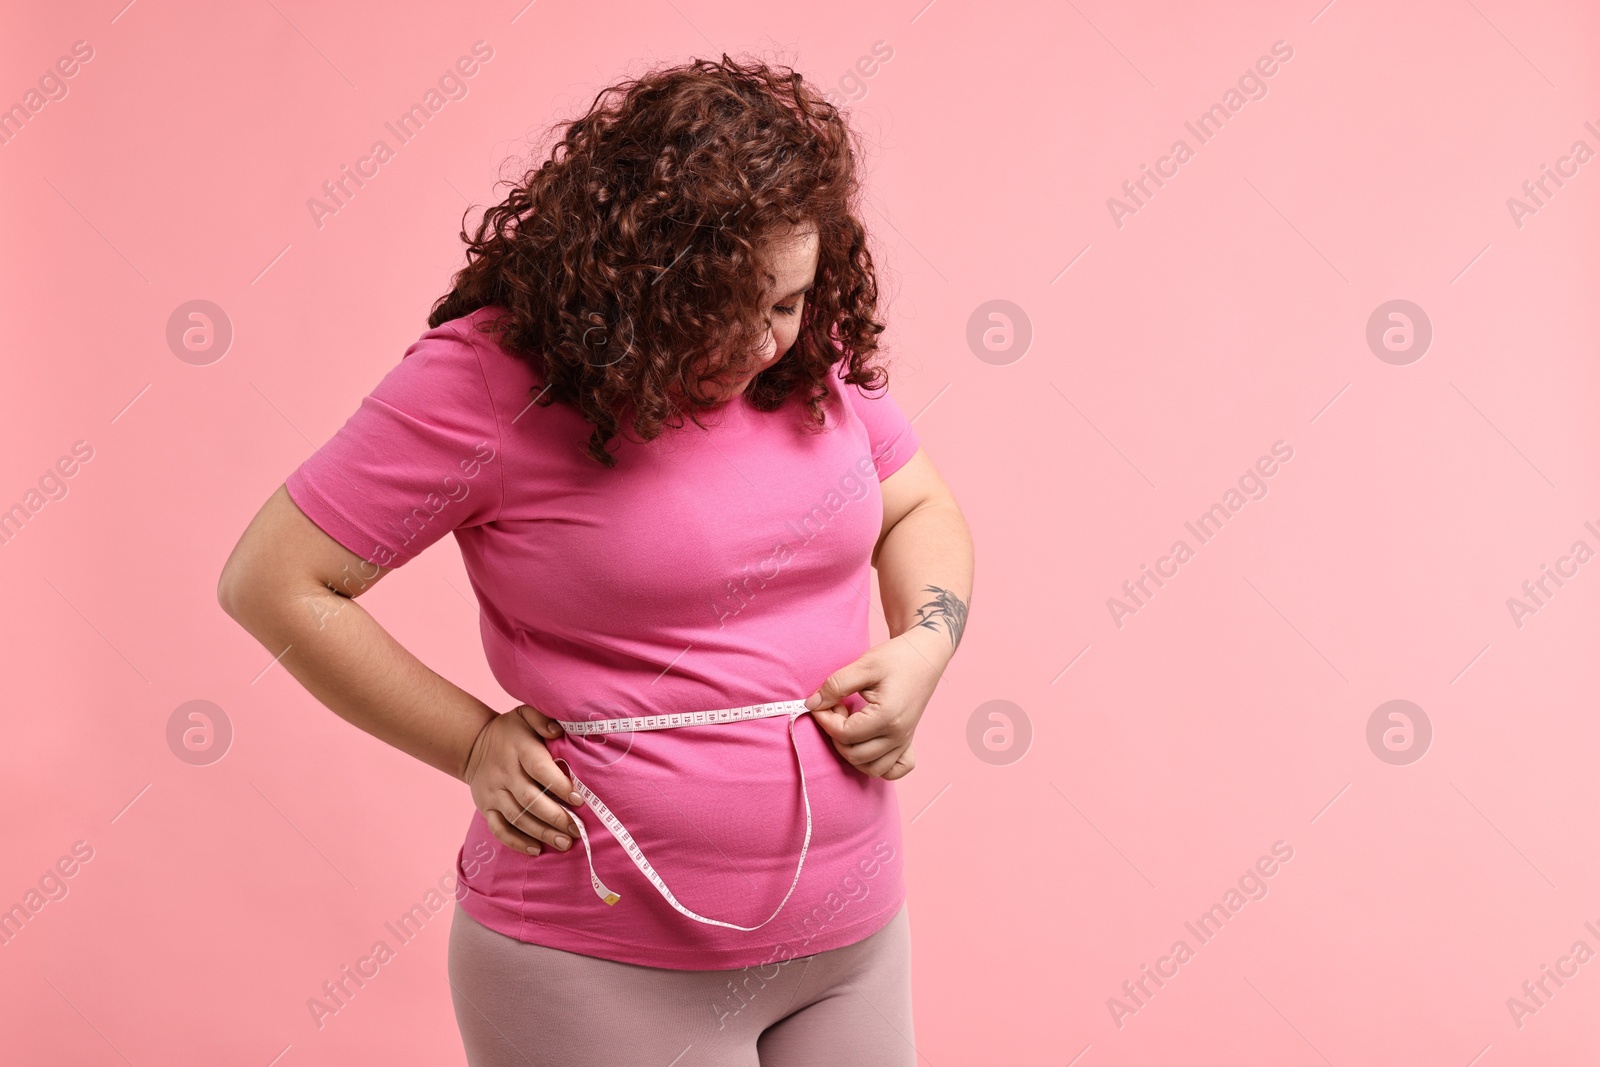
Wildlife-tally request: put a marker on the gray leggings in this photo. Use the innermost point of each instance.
(524, 1005)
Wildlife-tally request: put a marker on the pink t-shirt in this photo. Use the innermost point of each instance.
(708, 569)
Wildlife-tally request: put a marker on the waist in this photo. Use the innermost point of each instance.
(675, 720)
(790, 709)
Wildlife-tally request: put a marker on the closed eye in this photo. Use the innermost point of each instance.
(795, 298)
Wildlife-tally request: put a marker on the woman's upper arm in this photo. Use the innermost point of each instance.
(418, 458)
(284, 552)
(905, 474)
(914, 484)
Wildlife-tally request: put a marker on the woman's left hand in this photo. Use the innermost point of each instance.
(896, 679)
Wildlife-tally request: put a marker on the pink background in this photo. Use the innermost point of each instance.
(1228, 313)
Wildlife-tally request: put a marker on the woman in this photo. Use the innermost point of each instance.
(639, 410)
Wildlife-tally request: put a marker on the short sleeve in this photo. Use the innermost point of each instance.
(420, 456)
(889, 432)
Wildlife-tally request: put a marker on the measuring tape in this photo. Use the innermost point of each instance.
(792, 708)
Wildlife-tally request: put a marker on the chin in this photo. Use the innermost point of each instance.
(735, 390)
(738, 388)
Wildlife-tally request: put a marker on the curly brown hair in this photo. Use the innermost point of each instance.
(630, 264)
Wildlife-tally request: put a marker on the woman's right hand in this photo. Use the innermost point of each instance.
(515, 782)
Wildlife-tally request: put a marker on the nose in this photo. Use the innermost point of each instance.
(770, 345)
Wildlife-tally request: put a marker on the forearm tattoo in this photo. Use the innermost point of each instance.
(945, 606)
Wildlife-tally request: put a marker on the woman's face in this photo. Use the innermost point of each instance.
(794, 268)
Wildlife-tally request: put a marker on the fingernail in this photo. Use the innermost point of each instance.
(562, 842)
(575, 798)
(533, 850)
(813, 700)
